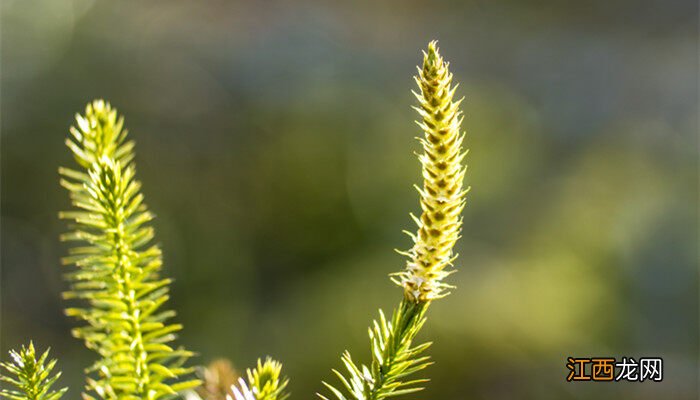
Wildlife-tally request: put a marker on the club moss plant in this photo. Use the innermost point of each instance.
(394, 356)
(117, 291)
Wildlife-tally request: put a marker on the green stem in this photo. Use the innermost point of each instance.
(122, 250)
(405, 325)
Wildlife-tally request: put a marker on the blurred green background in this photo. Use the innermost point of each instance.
(275, 140)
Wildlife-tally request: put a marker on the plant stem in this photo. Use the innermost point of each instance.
(125, 291)
(405, 325)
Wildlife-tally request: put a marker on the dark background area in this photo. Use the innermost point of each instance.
(275, 145)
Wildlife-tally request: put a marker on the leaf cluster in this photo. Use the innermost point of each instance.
(30, 376)
(264, 383)
(116, 276)
(394, 358)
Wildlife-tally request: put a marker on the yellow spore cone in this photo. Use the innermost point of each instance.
(442, 196)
